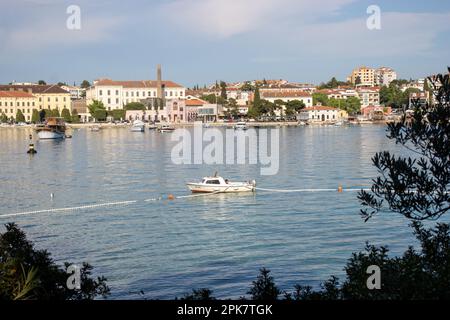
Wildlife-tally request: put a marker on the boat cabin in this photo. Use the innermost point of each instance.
(214, 181)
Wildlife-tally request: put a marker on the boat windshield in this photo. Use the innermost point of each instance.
(215, 181)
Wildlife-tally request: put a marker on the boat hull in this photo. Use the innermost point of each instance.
(201, 188)
(137, 129)
(45, 135)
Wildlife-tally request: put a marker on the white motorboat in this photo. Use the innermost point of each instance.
(54, 128)
(218, 184)
(95, 128)
(152, 126)
(241, 126)
(166, 128)
(138, 126)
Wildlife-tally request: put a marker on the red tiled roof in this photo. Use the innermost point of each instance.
(137, 84)
(36, 88)
(15, 94)
(297, 94)
(195, 102)
(319, 108)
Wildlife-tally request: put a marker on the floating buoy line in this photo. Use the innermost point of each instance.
(169, 197)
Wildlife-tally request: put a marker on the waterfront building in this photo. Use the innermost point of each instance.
(117, 94)
(384, 76)
(287, 96)
(364, 76)
(320, 114)
(48, 96)
(12, 101)
(369, 96)
(75, 92)
(422, 98)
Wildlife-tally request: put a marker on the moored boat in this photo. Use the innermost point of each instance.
(138, 126)
(54, 128)
(218, 184)
(241, 126)
(166, 128)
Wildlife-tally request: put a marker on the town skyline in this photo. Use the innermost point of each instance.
(300, 41)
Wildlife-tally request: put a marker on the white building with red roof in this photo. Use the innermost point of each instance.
(287, 96)
(117, 94)
(320, 114)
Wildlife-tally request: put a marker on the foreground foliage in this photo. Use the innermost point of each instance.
(28, 273)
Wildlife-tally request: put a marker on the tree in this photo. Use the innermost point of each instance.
(100, 115)
(247, 86)
(19, 116)
(293, 107)
(223, 90)
(264, 288)
(85, 84)
(255, 110)
(61, 84)
(95, 105)
(233, 107)
(118, 114)
(135, 106)
(212, 98)
(27, 273)
(42, 82)
(3, 118)
(65, 113)
(199, 295)
(55, 113)
(35, 118)
(416, 188)
(75, 118)
(357, 80)
(321, 98)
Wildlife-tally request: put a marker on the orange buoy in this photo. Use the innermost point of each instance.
(171, 197)
(340, 188)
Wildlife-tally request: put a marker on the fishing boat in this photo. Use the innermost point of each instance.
(95, 128)
(54, 128)
(218, 184)
(138, 126)
(241, 126)
(166, 128)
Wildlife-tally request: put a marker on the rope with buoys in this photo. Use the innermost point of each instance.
(107, 204)
(170, 197)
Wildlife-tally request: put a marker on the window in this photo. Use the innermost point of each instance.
(109, 100)
(48, 99)
(28, 103)
(109, 92)
(117, 100)
(212, 182)
(149, 93)
(117, 92)
(132, 94)
(137, 93)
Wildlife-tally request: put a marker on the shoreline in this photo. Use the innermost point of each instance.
(212, 124)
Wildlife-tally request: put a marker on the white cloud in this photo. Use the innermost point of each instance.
(55, 33)
(225, 18)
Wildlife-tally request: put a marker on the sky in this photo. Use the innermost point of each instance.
(201, 41)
